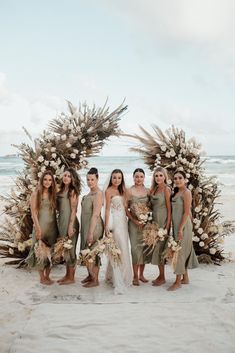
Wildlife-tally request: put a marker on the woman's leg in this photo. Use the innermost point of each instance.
(176, 284)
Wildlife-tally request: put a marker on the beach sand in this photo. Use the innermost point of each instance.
(200, 317)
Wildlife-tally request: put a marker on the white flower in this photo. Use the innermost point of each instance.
(68, 246)
(53, 149)
(172, 153)
(53, 155)
(158, 156)
(11, 251)
(196, 239)
(46, 163)
(39, 174)
(21, 247)
(167, 154)
(43, 168)
(181, 169)
(63, 137)
(173, 164)
(82, 125)
(90, 129)
(177, 141)
(83, 141)
(68, 145)
(191, 165)
(190, 187)
(70, 126)
(75, 151)
(85, 252)
(73, 155)
(40, 159)
(65, 126)
(163, 148)
(188, 175)
(201, 244)
(198, 208)
(200, 231)
(212, 251)
(204, 236)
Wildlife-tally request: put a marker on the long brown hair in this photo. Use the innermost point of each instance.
(176, 189)
(74, 186)
(121, 187)
(154, 185)
(51, 191)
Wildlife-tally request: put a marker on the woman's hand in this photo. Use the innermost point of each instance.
(180, 235)
(38, 233)
(89, 239)
(107, 231)
(71, 231)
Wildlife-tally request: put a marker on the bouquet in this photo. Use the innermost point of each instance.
(61, 249)
(106, 245)
(42, 253)
(141, 211)
(152, 233)
(172, 251)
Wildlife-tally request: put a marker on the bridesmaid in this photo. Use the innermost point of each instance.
(138, 193)
(182, 230)
(161, 207)
(92, 227)
(43, 211)
(67, 204)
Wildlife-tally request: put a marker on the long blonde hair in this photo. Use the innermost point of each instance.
(154, 185)
(51, 191)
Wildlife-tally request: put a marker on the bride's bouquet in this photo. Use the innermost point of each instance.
(172, 251)
(106, 246)
(141, 212)
(61, 250)
(152, 234)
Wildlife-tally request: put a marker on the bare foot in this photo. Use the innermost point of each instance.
(87, 279)
(158, 282)
(185, 281)
(143, 279)
(174, 286)
(91, 284)
(61, 279)
(135, 282)
(46, 281)
(67, 281)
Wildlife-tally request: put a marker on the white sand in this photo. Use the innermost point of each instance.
(198, 318)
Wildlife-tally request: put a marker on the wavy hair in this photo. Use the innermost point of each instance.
(51, 191)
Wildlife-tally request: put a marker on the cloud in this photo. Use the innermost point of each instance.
(181, 20)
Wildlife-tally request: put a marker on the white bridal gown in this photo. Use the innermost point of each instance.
(120, 276)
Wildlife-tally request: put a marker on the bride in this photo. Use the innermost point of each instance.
(120, 276)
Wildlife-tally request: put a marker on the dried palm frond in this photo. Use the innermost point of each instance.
(67, 142)
(172, 151)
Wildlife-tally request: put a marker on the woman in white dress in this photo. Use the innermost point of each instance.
(115, 200)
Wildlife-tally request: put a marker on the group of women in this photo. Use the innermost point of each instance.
(54, 215)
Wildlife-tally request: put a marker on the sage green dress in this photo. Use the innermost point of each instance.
(186, 257)
(159, 215)
(48, 225)
(86, 215)
(139, 256)
(64, 210)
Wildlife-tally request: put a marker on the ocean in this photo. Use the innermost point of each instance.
(223, 167)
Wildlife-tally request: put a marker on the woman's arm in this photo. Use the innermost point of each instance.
(128, 213)
(34, 215)
(168, 207)
(97, 205)
(107, 211)
(74, 206)
(187, 211)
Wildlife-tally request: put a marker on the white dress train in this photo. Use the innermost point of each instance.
(120, 276)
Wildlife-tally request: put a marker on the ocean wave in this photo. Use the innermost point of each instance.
(220, 161)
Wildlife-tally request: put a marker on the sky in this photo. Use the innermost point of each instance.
(172, 60)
